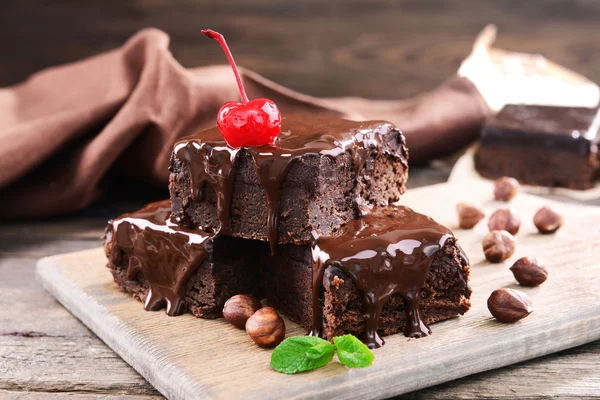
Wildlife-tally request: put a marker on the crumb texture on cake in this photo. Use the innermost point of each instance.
(446, 294)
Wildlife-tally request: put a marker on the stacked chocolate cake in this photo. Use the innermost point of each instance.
(306, 222)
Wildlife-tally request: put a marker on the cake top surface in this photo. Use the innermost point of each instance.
(571, 122)
(392, 230)
(306, 134)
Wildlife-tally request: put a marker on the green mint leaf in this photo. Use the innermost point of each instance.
(352, 352)
(301, 353)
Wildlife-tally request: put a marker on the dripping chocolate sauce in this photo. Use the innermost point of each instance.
(388, 251)
(211, 162)
(167, 255)
(385, 252)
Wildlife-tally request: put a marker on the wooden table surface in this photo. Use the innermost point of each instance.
(384, 49)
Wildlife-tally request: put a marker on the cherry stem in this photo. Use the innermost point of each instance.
(219, 38)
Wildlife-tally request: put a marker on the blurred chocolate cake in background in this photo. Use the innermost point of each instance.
(542, 145)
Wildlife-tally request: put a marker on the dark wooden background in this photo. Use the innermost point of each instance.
(376, 48)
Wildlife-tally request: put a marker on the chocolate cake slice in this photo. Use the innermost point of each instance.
(162, 264)
(391, 271)
(319, 174)
(542, 145)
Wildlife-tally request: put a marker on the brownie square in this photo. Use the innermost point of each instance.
(446, 293)
(288, 285)
(206, 267)
(542, 145)
(321, 173)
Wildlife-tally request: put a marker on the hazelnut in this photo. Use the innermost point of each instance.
(547, 220)
(239, 308)
(468, 215)
(266, 327)
(506, 188)
(505, 220)
(509, 305)
(498, 246)
(529, 271)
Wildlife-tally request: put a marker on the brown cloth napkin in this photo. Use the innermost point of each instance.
(66, 131)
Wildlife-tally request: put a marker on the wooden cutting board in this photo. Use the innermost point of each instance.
(189, 358)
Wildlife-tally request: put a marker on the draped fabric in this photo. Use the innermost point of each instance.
(68, 130)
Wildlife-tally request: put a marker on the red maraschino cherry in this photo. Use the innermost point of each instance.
(249, 123)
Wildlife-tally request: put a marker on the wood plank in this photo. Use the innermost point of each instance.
(14, 395)
(570, 374)
(86, 224)
(43, 348)
(320, 48)
(567, 314)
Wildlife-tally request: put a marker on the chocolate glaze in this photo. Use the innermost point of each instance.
(384, 252)
(166, 254)
(572, 129)
(388, 251)
(211, 161)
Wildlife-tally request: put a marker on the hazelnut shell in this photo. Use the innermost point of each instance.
(529, 271)
(498, 246)
(506, 188)
(469, 215)
(505, 219)
(266, 328)
(239, 308)
(509, 305)
(547, 220)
